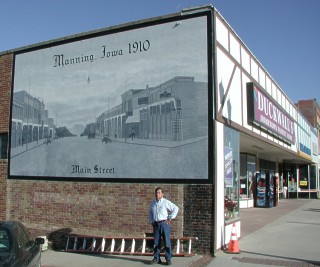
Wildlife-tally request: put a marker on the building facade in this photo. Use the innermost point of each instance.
(311, 111)
(216, 129)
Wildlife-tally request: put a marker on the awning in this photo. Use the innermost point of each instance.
(303, 155)
(135, 117)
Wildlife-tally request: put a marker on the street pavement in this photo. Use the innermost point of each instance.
(287, 235)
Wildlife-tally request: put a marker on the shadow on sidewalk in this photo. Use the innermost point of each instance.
(312, 210)
(146, 261)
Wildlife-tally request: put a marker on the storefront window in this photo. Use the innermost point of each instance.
(231, 161)
(300, 180)
(303, 181)
(307, 181)
(290, 179)
(313, 177)
(247, 171)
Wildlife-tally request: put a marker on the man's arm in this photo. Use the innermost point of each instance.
(173, 210)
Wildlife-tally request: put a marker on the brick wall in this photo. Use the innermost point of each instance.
(5, 89)
(308, 110)
(311, 111)
(56, 208)
(198, 216)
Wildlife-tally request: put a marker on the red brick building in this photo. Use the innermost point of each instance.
(311, 111)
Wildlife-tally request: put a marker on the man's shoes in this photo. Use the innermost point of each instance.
(169, 262)
(155, 261)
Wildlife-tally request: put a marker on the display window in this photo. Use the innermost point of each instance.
(247, 171)
(307, 185)
(232, 181)
(299, 181)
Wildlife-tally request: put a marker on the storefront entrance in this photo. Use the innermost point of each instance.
(298, 181)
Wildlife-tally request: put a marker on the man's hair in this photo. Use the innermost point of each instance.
(158, 188)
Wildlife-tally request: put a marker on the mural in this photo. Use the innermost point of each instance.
(127, 104)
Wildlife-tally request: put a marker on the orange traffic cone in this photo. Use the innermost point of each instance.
(233, 246)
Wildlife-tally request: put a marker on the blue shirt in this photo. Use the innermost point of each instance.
(161, 210)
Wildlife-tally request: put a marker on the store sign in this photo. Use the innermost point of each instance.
(304, 183)
(305, 149)
(267, 113)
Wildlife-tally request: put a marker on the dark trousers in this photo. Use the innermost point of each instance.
(163, 230)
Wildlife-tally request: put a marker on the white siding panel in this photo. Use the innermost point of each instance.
(222, 34)
(291, 110)
(224, 71)
(254, 70)
(274, 91)
(232, 106)
(262, 78)
(234, 48)
(245, 59)
(219, 185)
(286, 104)
(268, 85)
(280, 98)
(283, 100)
(295, 112)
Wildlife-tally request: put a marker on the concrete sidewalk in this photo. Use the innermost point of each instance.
(287, 235)
(63, 259)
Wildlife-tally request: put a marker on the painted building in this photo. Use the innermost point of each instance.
(30, 120)
(187, 106)
(164, 112)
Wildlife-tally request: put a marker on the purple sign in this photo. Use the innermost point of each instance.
(271, 116)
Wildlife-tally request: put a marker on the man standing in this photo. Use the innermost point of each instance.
(161, 212)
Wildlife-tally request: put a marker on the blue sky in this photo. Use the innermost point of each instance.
(284, 35)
